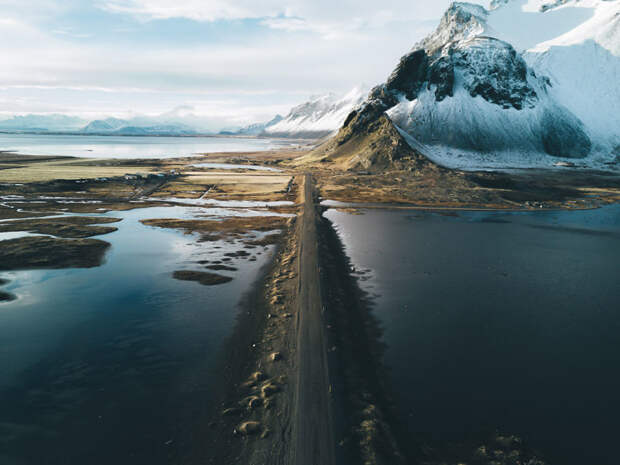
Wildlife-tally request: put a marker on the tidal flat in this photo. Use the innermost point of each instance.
(101, 340)
(90, 350)
(217, 348)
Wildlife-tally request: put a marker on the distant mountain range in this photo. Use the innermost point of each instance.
(120, 127)
(318, 117)
(42, 123)
(57, 123)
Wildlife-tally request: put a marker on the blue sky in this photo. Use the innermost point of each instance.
(229, 61)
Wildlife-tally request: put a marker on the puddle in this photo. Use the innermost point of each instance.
(5, 236)
(229, 166)
(232, 207)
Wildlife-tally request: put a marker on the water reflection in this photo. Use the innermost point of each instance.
(130, 146)
(498, 321)
(116, 364)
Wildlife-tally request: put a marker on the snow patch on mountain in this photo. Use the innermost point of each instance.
(472, 133)
(474, 123)
(583, 65)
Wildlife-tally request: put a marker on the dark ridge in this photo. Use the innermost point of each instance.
(6, 297)
(28, 253)
(202, 277)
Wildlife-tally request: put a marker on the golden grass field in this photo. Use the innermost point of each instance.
(43, 171)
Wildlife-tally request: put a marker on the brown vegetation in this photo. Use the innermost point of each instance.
(66, 227)
(214, 229)
(43, 252)
(202, 277)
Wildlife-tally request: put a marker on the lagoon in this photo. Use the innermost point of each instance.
(497, 321)
(132, 146)
(119, 363)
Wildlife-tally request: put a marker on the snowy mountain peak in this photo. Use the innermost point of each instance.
(318, 117)
(461, 21)
(459, 53)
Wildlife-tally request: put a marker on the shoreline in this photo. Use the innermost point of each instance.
(251, 421)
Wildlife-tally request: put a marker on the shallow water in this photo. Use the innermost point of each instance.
(117, 364)
(506, 321)
(5, 236)
(213, 205)
(131, 147)
(229, 166)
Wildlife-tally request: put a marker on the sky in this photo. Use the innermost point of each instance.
(231, 62)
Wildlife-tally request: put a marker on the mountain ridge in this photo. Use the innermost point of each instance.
(318, 117)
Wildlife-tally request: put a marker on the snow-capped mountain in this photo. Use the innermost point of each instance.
(105, 125)
(523, 84)
(318, 117)
(135, 127)
(253, 129)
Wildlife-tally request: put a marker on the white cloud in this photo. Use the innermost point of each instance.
(65, 32)
(328, 18)
(310, 47)
(198, 10)
(310, 10)
(36, 10)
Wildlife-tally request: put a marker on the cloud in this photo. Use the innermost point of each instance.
(310, 10)
(65, 32)
(37, 10)
(197, 10)
(138, 61)
(327, 18)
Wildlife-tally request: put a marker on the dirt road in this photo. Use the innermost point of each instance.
(313, 426)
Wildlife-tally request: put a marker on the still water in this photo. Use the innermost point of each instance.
(117, 364)
(507, 321)
(132, 147)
